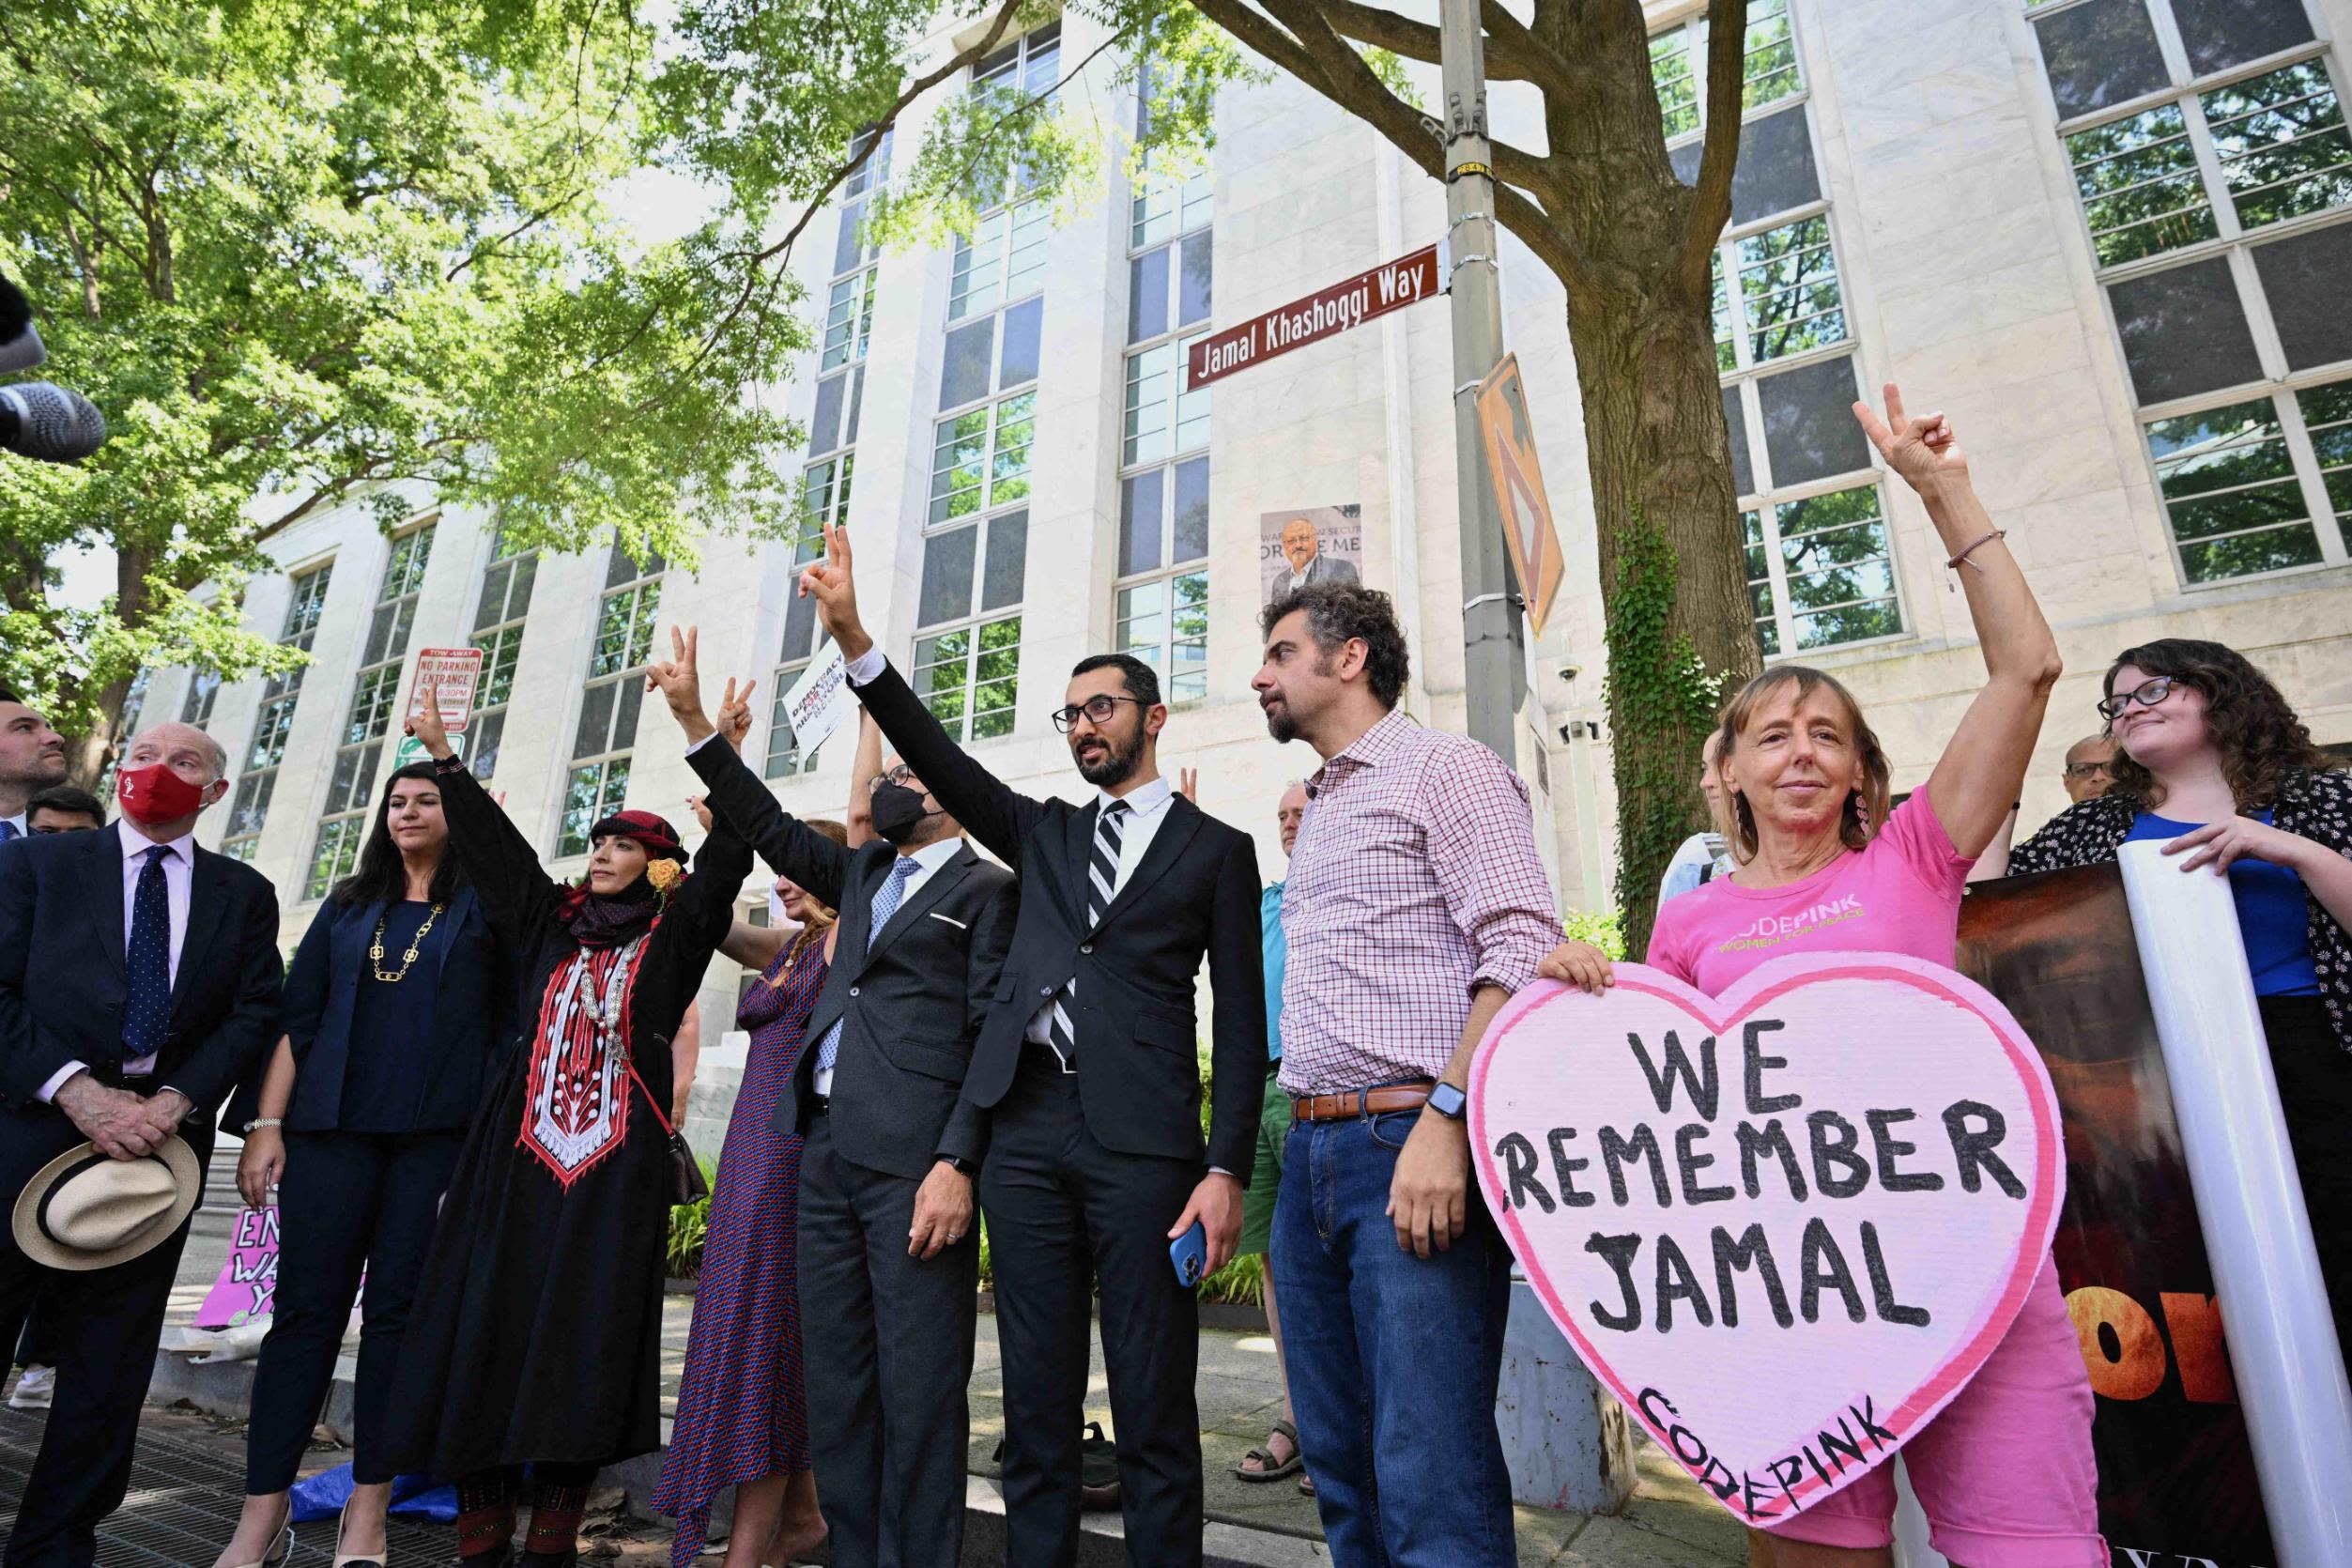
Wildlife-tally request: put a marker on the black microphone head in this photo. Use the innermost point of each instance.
(51, 424)
(16, 311)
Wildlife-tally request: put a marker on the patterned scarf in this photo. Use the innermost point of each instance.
(611, 919)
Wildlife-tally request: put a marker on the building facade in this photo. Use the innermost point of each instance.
(2111, 238)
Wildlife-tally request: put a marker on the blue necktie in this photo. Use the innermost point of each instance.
(887, 899)
(147, 1013)
(8, 831)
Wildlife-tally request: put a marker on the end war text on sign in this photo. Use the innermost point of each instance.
(1785, 1225)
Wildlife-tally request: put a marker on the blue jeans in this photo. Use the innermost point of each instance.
(1393, 1359)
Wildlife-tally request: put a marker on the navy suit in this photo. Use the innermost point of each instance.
(63, 981)
(368, 1155)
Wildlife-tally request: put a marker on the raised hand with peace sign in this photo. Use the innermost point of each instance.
(828, 582)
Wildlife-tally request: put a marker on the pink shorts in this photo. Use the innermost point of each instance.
(2005, 1472)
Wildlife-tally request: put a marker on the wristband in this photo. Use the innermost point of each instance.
(260, 1122)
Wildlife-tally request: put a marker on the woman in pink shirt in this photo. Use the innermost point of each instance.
(2006, 1473)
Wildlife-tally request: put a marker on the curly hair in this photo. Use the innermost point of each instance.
(2248, 720)
(1339, 612)
(1865, 809)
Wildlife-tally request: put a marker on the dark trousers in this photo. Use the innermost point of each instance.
(2315, 1092)
(1063, 1213)
(105, 1323)
(348, 1201)
(1394, 1358)
(889, 1359)
(37, 1345)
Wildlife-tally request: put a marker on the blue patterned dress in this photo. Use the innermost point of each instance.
(742, 1411)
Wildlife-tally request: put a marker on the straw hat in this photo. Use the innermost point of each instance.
(84, 1210)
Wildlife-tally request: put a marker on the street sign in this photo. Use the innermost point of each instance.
(1406, 280)
(1526, 515)
(411, 749)
(454, 673)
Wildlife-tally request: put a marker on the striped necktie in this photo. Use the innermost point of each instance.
(1102, 883)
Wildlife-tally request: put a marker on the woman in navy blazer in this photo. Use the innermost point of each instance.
(397, 1009)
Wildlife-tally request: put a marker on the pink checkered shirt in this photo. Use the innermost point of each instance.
(1414, 880)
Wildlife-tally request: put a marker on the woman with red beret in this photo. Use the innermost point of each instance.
(536, 1338)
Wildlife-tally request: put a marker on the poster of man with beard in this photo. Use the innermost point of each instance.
(1309, 545)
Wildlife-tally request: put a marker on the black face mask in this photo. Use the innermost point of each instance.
(898, 812)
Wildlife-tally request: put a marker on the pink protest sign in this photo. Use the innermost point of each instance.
(248, 1278)
(1784, 1226)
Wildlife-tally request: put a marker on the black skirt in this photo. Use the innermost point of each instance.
(2315, 1076)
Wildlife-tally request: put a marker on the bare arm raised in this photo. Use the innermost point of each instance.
(1983, 765)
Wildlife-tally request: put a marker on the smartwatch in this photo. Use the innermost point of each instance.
(957, 1163)
(1448, 1102)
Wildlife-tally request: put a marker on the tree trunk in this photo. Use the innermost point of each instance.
(90, 753)
(1673, 572)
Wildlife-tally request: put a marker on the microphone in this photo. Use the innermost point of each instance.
(20, 345)
(45, 421)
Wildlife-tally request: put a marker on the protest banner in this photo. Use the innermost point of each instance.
(1784, 1226)
(249, 1276)
(820, 700)
(2177, 1480)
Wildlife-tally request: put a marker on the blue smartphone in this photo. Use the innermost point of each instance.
(1190, 1254)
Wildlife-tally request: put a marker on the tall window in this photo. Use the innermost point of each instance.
(204, 691)
(2214, 171)
(497, 630)
(1161, 597)
(824, 499)
(1819, 556)
(374, 695)
(599, 778)
(257, 779)
(1003, 258)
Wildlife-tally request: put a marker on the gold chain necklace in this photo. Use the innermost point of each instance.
(375, 949)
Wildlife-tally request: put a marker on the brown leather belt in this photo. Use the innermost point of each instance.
(1358, 1102)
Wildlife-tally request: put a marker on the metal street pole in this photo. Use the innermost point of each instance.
(1495, 657)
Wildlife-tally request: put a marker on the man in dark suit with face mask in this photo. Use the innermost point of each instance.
(889, 1258)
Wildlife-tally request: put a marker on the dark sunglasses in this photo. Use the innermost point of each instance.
(1098, 708)
(2147, 694)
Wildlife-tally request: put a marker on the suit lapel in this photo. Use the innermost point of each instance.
(1184, 821)
(935, 887)
(105, 886)
(1080, 836)
(207, 893)
(459, 908)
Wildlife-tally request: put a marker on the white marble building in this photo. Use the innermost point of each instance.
(2154, 381)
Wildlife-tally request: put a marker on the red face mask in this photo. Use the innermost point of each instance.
(155, 793)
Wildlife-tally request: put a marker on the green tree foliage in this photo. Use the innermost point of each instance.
(297, 251)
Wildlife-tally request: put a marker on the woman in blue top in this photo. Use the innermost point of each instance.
(396, 1009)
(2213, 759)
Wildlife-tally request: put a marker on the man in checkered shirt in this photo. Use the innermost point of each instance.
(1415, 905)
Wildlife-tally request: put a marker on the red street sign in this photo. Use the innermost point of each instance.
(1406, 280)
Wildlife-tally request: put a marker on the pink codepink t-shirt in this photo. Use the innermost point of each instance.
(1901, 894)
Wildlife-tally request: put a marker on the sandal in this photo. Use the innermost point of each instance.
(1306, 1485)
(1268, 1468)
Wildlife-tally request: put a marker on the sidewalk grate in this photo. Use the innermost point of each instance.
(183, 1506)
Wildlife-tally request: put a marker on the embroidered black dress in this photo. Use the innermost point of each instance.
(537, 1326)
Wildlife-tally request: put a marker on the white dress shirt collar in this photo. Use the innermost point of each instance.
(135, 843)
(1145, 800)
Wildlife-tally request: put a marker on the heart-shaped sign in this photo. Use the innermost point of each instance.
(1784, 1226)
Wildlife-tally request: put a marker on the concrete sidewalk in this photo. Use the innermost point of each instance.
(1670, 1524)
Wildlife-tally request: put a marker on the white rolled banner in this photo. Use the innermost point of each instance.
(2281, 1332)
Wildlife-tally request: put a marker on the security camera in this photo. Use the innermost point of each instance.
(1570, 672)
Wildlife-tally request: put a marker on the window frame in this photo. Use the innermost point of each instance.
(494, 639)
(1694, 29)
(611, 762)
(351, 786)
(1766, 506)
(257, 782)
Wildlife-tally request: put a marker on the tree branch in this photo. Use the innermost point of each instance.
(1514, 53)
(1340, 74)
(1710, 206)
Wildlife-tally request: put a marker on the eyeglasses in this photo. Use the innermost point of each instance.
(1098, 708)
(2090, 770)
(2147, 694)
(899, 775)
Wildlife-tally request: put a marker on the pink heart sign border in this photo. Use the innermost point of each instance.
(1769, 1414)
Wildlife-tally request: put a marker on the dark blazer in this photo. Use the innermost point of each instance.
(1194, 893)
(63, 975)
(912, 1005)
(473, 1023)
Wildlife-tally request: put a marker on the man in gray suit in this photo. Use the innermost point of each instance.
(889, 1261)
(1303, 546)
